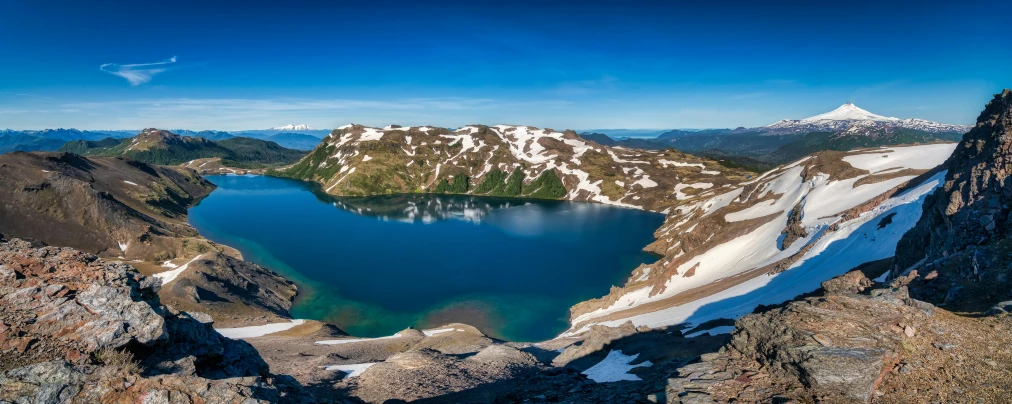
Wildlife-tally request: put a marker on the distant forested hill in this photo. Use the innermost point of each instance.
(166, 148)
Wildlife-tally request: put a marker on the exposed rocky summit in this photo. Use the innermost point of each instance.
(75, 328)
(854, 344)
(957, 254)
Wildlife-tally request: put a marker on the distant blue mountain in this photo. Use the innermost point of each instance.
(51, 139)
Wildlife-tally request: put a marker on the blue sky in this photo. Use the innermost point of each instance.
(589, 64)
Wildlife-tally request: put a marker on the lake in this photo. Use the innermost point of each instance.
(377, 265)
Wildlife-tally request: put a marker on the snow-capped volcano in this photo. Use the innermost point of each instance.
(851, 117)
(290, 127)
(849, 112)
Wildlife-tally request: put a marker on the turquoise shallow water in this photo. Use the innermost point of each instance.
(374, 266)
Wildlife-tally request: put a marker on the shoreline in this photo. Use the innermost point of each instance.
(306, 289)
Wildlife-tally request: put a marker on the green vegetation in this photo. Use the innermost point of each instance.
(494, 180)
(514, 184)
(734, 161)
(82, 147)
(546, 186)
(172, 150)
(309, 167)
(818, 141)
(460, 185)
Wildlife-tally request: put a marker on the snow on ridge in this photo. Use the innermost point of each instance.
(921, 157)
(849, 112)
(371, 134)
(823, 200)
(293, 127)
(172, 274)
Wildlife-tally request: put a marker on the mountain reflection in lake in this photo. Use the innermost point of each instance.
(376, 265)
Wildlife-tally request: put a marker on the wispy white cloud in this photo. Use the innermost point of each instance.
(140, 73)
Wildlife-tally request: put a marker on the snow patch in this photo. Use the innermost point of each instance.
(257, 330)
(724, 329)
(615, 367)
(351, 370)
(352, 340)
(916, 157)
(170, 275)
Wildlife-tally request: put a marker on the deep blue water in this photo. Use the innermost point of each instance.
(374, 266)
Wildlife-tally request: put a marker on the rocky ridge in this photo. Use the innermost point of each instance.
(120, 208)
(957, 253)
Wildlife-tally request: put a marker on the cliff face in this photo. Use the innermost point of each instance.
(958, 248)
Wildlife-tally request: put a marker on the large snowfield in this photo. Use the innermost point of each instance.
(860, 240)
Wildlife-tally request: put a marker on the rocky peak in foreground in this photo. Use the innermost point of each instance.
(854, 344)
(75, 328)
(958, 252)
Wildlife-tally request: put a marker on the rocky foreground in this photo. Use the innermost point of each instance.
(75, 328)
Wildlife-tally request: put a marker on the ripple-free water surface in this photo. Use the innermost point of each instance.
(374, 266)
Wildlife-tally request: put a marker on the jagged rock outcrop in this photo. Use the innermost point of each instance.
(75, 328)
(428, 374)
(853, 345)
(959, 245)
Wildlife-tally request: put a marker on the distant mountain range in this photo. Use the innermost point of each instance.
(844, 128)
(50, 139)
(156, 146)
(299, 137)
(293, 128)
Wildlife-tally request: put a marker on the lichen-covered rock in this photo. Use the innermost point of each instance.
(74, 328)
(837, 347)
(848, 283)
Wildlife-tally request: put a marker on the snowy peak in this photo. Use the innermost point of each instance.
(848, 112)
(850, 117)
(291, 127)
